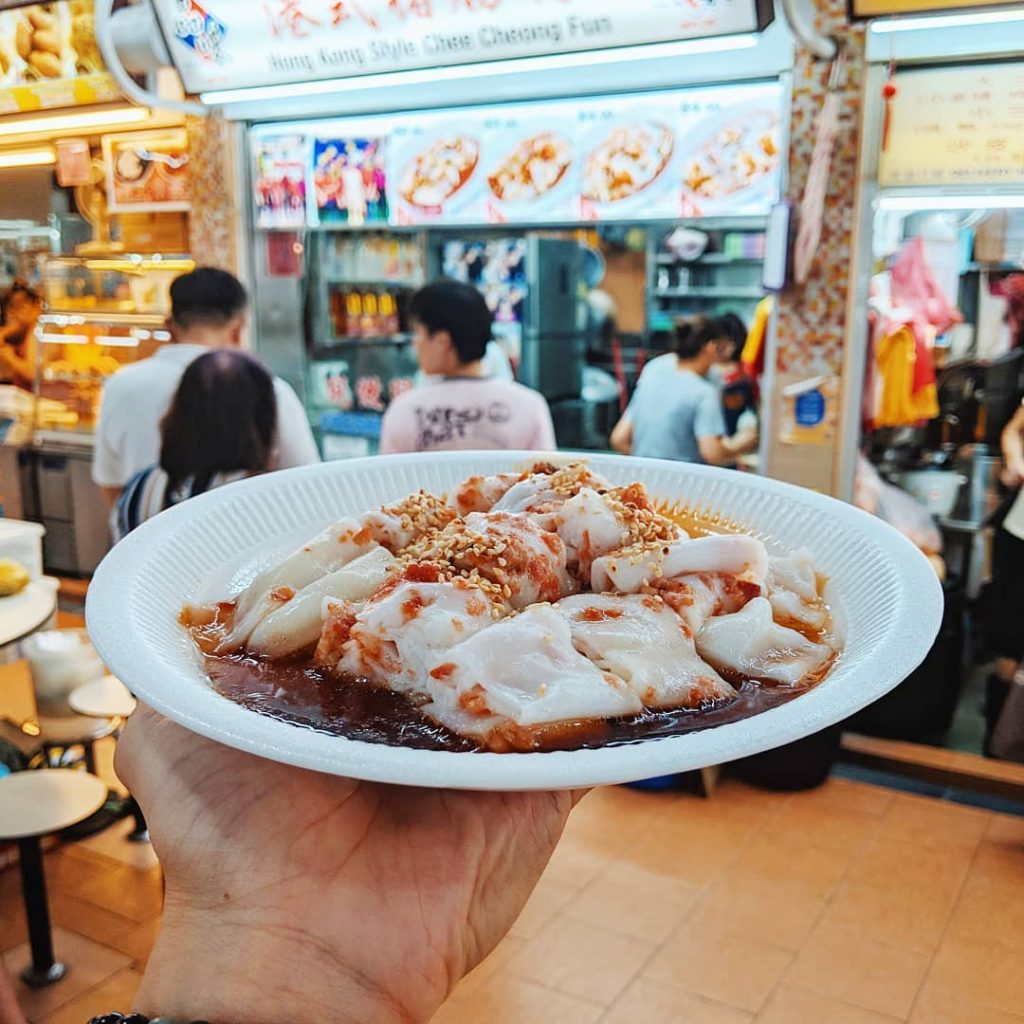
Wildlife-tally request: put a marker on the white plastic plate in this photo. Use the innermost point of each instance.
(885, 598)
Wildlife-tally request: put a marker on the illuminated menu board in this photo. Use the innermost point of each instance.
(230, 44)
(673, 155)
(49, 58)
(959, 125)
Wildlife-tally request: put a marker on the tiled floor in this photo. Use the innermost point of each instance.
(851, 904)
(847, 905)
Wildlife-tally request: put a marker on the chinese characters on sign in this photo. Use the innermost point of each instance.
(957, 126)
(225, 44)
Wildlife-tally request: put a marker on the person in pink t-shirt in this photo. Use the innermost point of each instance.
(462, 408)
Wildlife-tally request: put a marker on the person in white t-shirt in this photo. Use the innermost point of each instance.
(461, 407)
(208, 311)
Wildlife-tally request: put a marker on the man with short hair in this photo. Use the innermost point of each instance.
(208, 310)
(461, 407)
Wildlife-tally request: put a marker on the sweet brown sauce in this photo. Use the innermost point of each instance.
(296, 691)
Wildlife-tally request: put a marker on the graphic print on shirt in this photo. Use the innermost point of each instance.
(439, 424)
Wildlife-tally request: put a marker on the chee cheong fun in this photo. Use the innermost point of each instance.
(521, 609)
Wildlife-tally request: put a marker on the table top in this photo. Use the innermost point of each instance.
(103, 698)
(35, 803)
(22, 614)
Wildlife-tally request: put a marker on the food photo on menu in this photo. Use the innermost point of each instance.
(434, 174)
(279, 184)
(349, 181)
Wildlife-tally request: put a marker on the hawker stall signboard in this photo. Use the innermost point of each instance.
(49, 58)
(227, 44)
(666, 155)
(961, 125)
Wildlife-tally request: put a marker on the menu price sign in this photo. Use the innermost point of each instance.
(956, 126)
(49, 58)
(656, 156)
(231, 44)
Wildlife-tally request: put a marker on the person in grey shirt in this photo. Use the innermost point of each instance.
(676, 412)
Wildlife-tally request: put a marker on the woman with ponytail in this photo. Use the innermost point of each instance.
(676, 412)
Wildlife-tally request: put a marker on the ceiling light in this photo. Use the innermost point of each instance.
(921, 24)
(28, 157)
(912, 203)
(111, 117)
(524, 65)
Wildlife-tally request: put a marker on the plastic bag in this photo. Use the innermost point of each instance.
(896, 507)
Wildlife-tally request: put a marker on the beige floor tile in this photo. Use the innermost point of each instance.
(931, 824)
(611, 815)
(852, 966)
(647, 1002)
(483, 974)
(13, 930)
(89, 964)
(999, 862)
(940, 1005)
(88, 919)
(815, 822)
(791, 859)
(903, 865)
(581, 959)
(115, 994)
(113, 843)
(911, 917)
(509, 1000)
(635, 902)
(844, 796)
(989, 912)
(138, 942)
(720, 965)
(548, 900)
(980, 973)
(689, 852)
(1007, 829)
(577, 862)
(780, 913)
(797, 1006)
(135, 894)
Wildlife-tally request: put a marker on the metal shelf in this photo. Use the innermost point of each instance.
(381, 283)
(387, 339)
(712, 259)
(710, 293)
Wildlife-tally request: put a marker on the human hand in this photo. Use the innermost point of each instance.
(1012, 474)
(292, 895)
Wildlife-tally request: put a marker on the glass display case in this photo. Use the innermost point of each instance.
(102, 313)
(111, 284)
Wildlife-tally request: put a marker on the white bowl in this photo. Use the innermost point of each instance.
(886, 601)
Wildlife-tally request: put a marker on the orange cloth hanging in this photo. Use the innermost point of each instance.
(899, 404)
(752, 357)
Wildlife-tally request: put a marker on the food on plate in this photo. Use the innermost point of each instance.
(627, 161)
(533, 168)
(14, 577)
(521, 612)
(737, 156)
(435, 175)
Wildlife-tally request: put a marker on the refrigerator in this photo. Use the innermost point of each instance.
(534, 287)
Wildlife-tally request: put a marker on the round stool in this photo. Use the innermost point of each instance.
(103, 698)
(32, 805)
(109, 698)
(61, 732)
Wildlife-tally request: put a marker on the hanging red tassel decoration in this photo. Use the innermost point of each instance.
(888, 95)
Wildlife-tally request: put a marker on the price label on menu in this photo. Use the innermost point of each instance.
(956, 126)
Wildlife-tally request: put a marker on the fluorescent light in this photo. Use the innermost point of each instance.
(524, 65)
(64, 339)
(921, 24)
(113, 117)
(932, 201)
(28, 157)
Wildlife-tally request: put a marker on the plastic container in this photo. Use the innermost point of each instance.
(60, 661)
(936, 489)
(23, 542)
